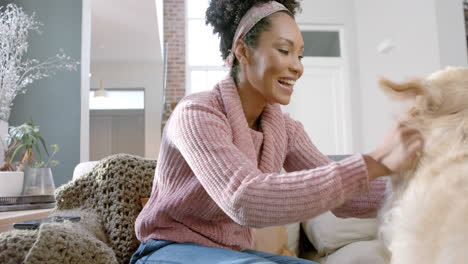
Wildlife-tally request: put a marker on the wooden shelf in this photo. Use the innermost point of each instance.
(8, 218)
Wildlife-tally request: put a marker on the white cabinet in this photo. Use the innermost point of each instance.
(116, 131)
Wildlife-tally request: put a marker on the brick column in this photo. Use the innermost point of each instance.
(174, 36)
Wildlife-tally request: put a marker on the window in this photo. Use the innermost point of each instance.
(321, 43)
(204, 63)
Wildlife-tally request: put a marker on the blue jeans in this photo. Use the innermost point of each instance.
(168, 252)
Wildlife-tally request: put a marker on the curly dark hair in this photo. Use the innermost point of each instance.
(224, 16)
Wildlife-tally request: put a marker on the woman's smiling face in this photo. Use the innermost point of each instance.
(275, 64)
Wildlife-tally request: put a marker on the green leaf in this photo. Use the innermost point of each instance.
(55, 147)
(38, 164)
(53, 163)
(29, 138)
(44, 145)
(38, 151)
(16, 151)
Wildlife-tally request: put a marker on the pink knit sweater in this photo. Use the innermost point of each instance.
(215, 177)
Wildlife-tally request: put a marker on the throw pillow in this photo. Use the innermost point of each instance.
(328, 232)
(362, 252)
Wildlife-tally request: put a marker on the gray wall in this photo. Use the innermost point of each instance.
(54, 103)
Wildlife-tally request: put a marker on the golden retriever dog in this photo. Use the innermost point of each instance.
(425, 219)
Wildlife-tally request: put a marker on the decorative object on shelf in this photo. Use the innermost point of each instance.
(16, 203)
(11, 183)
(11, 177)
(38, 176)
(24, 139)
(17, 72)
(38, 181)
(101, 92)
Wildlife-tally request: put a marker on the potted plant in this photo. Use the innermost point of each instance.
(38, 178)
(19, 157)
(10, 177)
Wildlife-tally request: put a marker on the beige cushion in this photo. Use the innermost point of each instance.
(272, 239)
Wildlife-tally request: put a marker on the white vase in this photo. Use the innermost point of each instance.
(3, 136)
(11, 183)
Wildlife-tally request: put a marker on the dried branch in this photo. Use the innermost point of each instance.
(15, 72)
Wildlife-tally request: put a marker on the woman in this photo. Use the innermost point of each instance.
(222, 151)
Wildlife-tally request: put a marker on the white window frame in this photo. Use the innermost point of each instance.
(189, 68)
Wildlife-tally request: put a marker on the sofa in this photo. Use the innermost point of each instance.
(108, 195)
(325, 238)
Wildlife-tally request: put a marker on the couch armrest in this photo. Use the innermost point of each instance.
(83, 168)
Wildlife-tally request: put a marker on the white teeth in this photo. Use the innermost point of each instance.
(290, 82)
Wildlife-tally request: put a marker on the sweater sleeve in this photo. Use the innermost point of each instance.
(248, 196)
(366, 204)
(303, 155)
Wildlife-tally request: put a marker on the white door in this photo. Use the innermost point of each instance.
(319, 99)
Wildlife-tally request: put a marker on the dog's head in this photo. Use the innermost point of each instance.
(439, 110)
(441, 98)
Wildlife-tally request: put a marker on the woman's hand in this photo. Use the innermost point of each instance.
(396, 153)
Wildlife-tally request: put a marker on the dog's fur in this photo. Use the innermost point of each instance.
(425, 219)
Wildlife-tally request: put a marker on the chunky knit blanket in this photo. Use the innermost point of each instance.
(108, 199)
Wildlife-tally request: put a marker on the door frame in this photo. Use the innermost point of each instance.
(85, 78)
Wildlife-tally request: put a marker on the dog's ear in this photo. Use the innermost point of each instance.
(426, 101)
(405, 90)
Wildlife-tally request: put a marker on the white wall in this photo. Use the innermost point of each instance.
(325, 11)
(136, 75)
(428, 35)
(423, 44)
(451, 25)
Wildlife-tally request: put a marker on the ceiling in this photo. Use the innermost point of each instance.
(122, 30)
